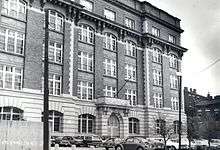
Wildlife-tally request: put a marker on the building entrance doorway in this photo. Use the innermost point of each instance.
(113, 126)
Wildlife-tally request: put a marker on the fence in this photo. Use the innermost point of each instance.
(21, 135)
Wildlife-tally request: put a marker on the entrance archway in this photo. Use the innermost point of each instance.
(113, 126)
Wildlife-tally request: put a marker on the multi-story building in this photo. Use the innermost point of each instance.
(112, 65)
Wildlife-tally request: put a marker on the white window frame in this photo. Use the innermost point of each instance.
(86, 119)
(175, 127)
(52, 79)
(110, 67)
(132, 123)
(88, 5)
(130, 23)
(20, 7)
(131, 49)
(157, 55)
(55, 50)
(86, 34)
(130, 72)
(84, 85)
(158, 100)
(131, 95)
(110, 91)
(52, 117)
(59, 21)
(172, 39)
(156, 31)
(174, 103)
(109, 14)
(110, 41)
(157, 77)
(88, 58)
(15, 38)
(173, 82)
(173, 61)
(13, 74)
(11, 113)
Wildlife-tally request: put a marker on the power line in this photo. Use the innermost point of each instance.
(209, 66)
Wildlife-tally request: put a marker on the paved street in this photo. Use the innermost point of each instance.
(77, 148)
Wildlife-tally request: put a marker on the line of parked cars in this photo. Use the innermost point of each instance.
(130, 143)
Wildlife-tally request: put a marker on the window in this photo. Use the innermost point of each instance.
(131, 96)
(11, 113)
(14, 8)
(55, 120)
(85, 90)
(110, 67)
(110, 91)
(11, 41)
(88, 5)
(86, 34)
(158, 100)
(55, 52)
(172, 39)
(130, 49)
(173, 62)
(86, 123)
(10, 77)
(155, 31)
(173, 82)
(175, 127)
(157, 55)
(54, 84)
(110, 42)
(175, 103)
(129, 23)
(133, 126)
(85, 61)
(109, 14)
(160, 126)
(55, 21)
(130, 72)
(157, 77)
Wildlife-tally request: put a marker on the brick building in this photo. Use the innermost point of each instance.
(112, 66)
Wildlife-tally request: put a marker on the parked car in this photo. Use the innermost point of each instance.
(167, 148)
(65, 143)
(92, 140)
(133, 143)
(111, 142)
(73, 140)
(55, 140)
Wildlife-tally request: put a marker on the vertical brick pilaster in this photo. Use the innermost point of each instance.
(1, 4)
(166, 82)
(98, 64)
(121, 69)
(140, 77)
(150, 53)
(33, 53)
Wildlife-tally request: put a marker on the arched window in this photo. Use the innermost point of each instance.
(134, 126)
(14, 8)
(130, 48)
(11, 113)
(86, 34)
(175, 127)
(56, 21)
(157, 55)
(173, 61)
(86, 123)
(160, 126)
(55, 120)
(110, 41)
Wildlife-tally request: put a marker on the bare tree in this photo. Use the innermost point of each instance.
(192, 129)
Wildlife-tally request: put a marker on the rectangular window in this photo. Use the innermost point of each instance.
(85, 90)
(88, 5)
(156, 31)
(172, 39)
(129, 23)
(110, 91)
(130, 72)
(55, 82)
(111, 15)
(158, 100)
(86, 34)
(110, 42)
(110, 67)
(11, 41)
(10, 77)
(157, 55)
(55, 52)
(173, 62)
(173, 82)
(85, 61)
(130, 49)
(131, 96)
(175, 103)
(157, 77)
(55, 21)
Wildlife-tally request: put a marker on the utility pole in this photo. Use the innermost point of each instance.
(46, 89)
(180, 107)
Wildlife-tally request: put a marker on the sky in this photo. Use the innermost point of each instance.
(200, 20)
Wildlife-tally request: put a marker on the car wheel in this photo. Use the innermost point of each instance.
(140, 148)
(118, 147)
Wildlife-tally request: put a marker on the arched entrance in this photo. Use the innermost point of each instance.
(113, 126)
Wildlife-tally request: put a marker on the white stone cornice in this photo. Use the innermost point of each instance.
(35, 10)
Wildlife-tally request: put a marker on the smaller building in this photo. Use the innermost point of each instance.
(203, 114)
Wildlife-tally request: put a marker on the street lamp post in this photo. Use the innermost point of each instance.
(180, 106)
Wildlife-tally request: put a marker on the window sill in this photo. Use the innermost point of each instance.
(92, 44)
(17, 19)
(174, 89)
(54, 63)
(133, 57)
(108, 76)
(158, 85)
(159, 63)
(110, 50)
(14, 54)
(127, 80)
(173, 68)
(85, 71)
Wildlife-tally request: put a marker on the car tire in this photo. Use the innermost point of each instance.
(140, 148)
(119, 147)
